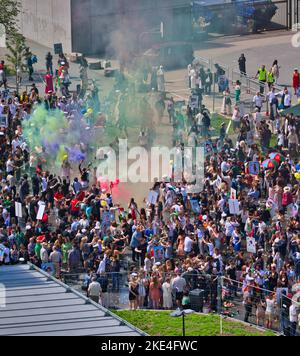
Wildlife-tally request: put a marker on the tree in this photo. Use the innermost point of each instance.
(9, 10)
(18, 54)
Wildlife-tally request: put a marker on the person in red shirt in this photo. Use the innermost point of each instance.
(49, 88)
(296, 80)
(3, 80)
(75, 207)
(58, 197)
(81, 196)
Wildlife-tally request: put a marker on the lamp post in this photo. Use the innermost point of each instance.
(178, 313)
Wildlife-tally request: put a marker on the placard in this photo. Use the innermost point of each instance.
(158, 253)
(2, 248)
(254, 168)
(234, 206)
(233, 194)
(251, 244)
(41, 212)
(195, 206)
(194, 102)
(152, 197)
(18, 209)
(3, 121)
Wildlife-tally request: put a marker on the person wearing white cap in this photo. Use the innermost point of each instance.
(44, 253)
(56, 258)
(94, 290)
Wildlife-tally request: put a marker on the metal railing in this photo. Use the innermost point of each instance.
(241, 301)
(249, 84)
(248, 302)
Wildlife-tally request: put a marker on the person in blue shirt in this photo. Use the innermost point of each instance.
(135, 241)
(74, 225)
(254, 193)
(236, 240)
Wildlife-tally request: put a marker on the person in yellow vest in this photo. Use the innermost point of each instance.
(270, 79)
(262, 77)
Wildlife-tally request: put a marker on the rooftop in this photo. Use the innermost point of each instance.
(39, 305)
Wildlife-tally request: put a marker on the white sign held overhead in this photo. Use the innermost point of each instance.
(41, 212)
(233, 194)
(234, 207)
(251, 244)
(18, 209)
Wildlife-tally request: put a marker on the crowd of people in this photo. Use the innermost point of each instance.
(181, 242)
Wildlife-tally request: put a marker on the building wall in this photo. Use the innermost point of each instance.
(47, 22)
(98, 25)
(95, 26)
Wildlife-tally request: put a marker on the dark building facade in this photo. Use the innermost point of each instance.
(100, 26)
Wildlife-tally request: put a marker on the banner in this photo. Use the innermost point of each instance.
(18, 209)
(251, 245)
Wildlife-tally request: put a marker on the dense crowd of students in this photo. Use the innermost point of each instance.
(182, 242)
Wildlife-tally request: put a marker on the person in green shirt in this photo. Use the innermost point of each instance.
(37, 249)
(270, 79)
(186, 303)
(237, 92)
(262, 77)
(65, 248)
(20, 239)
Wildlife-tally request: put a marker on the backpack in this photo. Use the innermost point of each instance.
(34, 59)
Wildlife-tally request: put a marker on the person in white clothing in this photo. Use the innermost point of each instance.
(293, 317)
(270, 310)
(188, 245)
(258, 101)
(167, 294)
(94, 291)
(44, 253)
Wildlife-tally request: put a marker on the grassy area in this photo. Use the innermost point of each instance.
(216, 122)
(159, 323)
